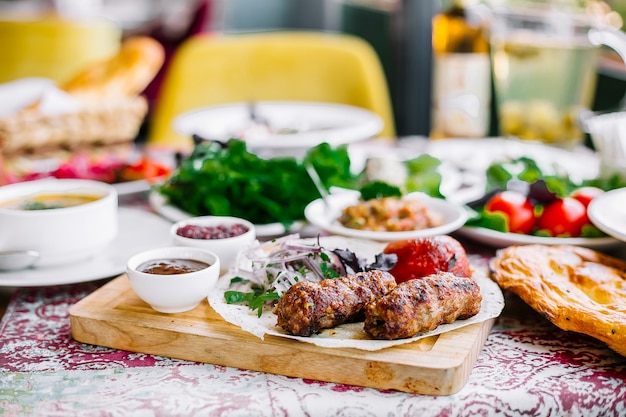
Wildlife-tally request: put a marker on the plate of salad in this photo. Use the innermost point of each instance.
(527, 206)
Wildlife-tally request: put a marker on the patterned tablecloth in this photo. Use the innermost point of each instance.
(527, 367)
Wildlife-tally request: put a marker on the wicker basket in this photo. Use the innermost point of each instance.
(103, 123)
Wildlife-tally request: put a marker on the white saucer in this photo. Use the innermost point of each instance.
(138, 230)
(607, 213)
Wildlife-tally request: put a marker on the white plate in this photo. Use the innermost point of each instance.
(607, 213)
(138, 230)
(160, 204)
(498, 239)
(318, 214)
(314, 123)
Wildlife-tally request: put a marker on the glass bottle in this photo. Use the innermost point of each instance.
(461, 97)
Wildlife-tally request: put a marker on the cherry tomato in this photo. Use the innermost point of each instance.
(566, 216)
(516, 207)
(586, 194)
(418, 258)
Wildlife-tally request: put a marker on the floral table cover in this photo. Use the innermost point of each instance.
(527, 367)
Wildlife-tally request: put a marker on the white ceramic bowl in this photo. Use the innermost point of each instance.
(173, 293)
(60, 235)
(226, 248)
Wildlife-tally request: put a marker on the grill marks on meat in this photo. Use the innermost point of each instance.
(308, 307)
(421, 305)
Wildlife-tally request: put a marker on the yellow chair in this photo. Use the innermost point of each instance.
(212, 69)
(53, 47)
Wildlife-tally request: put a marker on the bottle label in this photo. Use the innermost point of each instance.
(461, 95)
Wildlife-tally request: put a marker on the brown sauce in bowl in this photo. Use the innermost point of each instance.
(171, 266)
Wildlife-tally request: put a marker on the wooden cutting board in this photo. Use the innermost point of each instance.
(115, 317)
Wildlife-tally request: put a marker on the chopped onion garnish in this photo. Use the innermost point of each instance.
(280, 263)
(265, 271)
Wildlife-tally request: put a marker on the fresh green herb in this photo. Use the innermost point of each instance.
(379, 189)
(230, 181)
(237, 279)
(489, 220)
(424, 175)
(255, 299)
(607, 183)
(525, 169)
(327, 267)
(328, 271)
(38, 205)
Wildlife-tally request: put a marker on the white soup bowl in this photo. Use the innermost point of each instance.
(60, 235)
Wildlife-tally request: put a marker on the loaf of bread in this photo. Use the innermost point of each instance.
(577, 289)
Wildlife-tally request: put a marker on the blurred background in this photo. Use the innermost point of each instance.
(399, 30)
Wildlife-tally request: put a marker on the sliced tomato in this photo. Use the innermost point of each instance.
(586, 194)
(517, 208)
(564, 217)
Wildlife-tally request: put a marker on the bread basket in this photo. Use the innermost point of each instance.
(105, 123)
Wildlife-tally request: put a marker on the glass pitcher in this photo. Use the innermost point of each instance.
(544, 63)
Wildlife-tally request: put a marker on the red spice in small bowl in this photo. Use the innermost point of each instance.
(212, 232)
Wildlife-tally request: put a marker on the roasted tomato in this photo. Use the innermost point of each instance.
(421, 257)
(516, 207)
(586, 194)
(564, 217)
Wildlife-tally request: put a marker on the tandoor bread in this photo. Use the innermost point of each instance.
(577, 289)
